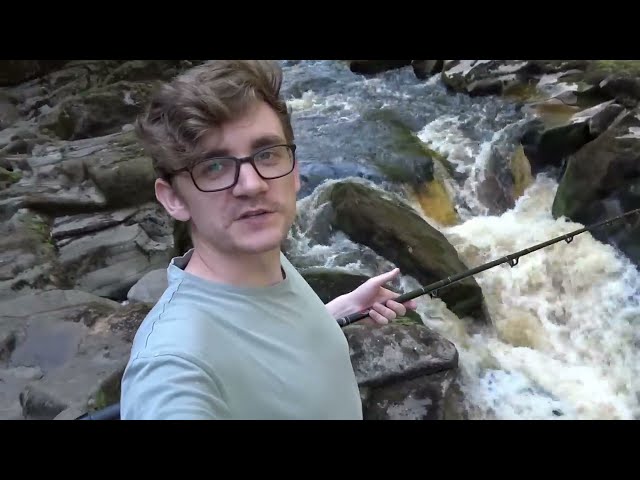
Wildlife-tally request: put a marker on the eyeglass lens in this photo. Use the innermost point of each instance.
(219, 173)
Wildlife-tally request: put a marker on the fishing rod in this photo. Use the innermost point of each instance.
(512, 259)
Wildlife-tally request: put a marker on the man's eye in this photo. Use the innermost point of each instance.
(264, 155)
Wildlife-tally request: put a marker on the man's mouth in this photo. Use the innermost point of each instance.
(254, 213)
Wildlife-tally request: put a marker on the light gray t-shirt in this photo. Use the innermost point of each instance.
(213, 351)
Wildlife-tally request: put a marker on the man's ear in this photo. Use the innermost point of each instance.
(171, 201)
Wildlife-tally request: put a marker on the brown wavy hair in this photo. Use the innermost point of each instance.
(202, 98)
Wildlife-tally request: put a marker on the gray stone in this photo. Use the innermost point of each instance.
(67, 345)
(404, 371)
(150, 287)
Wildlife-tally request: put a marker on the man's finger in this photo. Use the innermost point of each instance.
(386, 311)
(398, 308)
(384, 277)
(378, 318)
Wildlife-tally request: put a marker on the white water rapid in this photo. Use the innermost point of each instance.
(565, 339)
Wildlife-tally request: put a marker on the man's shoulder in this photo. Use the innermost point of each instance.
(174, 325)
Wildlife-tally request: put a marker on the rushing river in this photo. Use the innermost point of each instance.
(565, 342)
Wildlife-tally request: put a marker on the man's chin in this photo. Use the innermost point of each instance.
(257, 244)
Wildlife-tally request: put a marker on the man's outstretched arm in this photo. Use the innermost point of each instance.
(372, 295)
(170, 387)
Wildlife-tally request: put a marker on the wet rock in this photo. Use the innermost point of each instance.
(482, 77)
(9, 114)
(421, 398)
(506, 173)
(398, 152)
(110, 261)
(602, 179)
(148, 70)
(404, 371)
(40, 405)
(372, 67)
(20, 138)
(397, 155)
(150, 287)
(74, 225)
(399, 234)
(27, 255)
(616, 79)
(69, 347)
(7, 344)
(547, 148)
(329, 283)
(575, 82)
(423, 69)
(83, 176)
(97, 112)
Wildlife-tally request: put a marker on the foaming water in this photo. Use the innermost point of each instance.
(565, 339)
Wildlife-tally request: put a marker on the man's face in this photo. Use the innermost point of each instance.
(219, 218)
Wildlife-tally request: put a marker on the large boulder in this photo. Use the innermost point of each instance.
(602, 179)
(61, 346)
(548, 147)
(397, 233)
(404, 371)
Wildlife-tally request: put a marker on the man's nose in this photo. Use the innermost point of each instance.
(249, 182)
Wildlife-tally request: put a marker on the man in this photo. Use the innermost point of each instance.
(238, 333)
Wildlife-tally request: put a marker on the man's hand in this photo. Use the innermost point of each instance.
(371, 295)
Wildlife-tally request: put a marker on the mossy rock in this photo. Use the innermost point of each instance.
(108, 392)
(396, 232)
(601, 180)
(399, 154)
(435, 202)
(96, 112)
(129, 182)
(603, 68)
(521, 172)
(329, 283)
(9, 177)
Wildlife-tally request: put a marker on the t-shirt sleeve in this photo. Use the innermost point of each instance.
(170, 387)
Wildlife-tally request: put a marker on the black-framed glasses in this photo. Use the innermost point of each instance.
(220, 173)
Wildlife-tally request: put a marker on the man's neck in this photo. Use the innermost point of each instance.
(259, 270)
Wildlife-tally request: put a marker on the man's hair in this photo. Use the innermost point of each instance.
(182, 111)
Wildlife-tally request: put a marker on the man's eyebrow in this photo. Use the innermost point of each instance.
(259, 142)
(267, 140)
